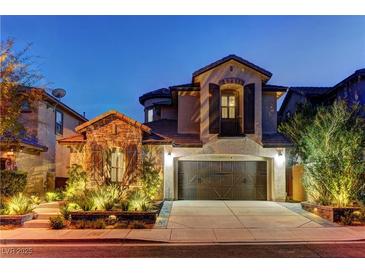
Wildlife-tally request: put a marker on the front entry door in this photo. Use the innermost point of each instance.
(229, 114)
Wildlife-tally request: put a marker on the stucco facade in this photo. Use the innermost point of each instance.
(39, 154)
(193, 140)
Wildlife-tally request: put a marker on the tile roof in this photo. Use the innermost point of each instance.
(119, 115)
(168, 129)
(73, 139)
(310, 91)
(237, 59)
(274, 88)
(275, 140)
(158, 93)
(28, 141)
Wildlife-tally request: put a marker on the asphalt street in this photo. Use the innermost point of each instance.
(81, 250)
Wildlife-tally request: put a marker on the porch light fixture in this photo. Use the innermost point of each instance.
(280, 158)
(168, 158)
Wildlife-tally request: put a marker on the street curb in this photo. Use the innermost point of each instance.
(61, 241)
(141, 241)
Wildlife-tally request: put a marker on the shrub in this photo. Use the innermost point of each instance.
(107, 196)
(138, 201)
(53, 196)
(57, 222)
(12, 182)
(76, 183)
(35, 199)
(19, 205)
(67, 208)
(330, 147)
(84, 201)
(151, 179)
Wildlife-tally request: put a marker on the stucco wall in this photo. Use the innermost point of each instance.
(62, 153)
(227, 149)
(169, 112)
(188, 112)
(43, 167)
(269, 113)
(221, 72)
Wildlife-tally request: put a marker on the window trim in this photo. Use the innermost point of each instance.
(118, 166)
(62, 122)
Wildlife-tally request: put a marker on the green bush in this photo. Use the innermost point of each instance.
(330, 148)
(138, 201)
(151, 178)
(107, 196)
(53, 196)
(19, 205)
(57, 222)
(84, 201)
(76, 183)
(68, 208)
(12, 182)
(35, 199)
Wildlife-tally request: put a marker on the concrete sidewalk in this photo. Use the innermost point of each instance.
(181, 235)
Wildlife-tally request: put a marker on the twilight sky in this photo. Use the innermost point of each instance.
(107, 62)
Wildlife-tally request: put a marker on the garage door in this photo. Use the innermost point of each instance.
(222, 180)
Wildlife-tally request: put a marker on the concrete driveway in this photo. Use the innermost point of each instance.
(239, 214)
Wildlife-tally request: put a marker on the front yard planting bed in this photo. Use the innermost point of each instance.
(333, 214)
(147, 217)
(16, 220)
(142, 219)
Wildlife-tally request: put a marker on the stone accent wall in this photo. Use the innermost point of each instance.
(101, 138)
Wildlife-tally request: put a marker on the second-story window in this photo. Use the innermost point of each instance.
(228, 106)
(150, 115)
(59, 122)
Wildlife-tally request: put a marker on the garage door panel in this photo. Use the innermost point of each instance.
(210, 180)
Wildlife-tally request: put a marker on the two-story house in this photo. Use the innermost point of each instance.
(223, 134)
(218, 135)
(38, 153)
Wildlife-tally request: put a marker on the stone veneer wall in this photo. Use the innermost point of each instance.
(101, 138)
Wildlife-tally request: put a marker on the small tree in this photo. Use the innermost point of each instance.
(16, 79)
(331, 148)
(151, 171)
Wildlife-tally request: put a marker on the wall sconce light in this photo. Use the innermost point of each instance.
(168, 158)
(280, 158)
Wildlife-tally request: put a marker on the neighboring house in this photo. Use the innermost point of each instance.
(218, 137)
(38, 153)
(221, 133)
(351, 89)
(296, 96)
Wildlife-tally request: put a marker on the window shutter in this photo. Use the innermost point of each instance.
(249, 109)
(120, 166)
(113, 164)
(214, 108)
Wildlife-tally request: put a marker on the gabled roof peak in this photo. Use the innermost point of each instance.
(237, 59)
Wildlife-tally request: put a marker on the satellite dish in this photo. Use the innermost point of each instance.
(58, 93)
